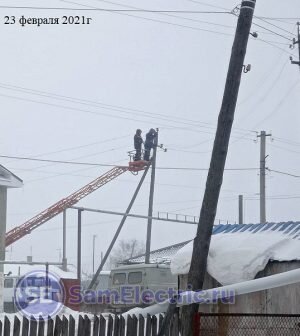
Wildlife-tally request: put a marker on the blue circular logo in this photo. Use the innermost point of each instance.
(39, 294)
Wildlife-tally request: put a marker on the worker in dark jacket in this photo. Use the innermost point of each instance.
(149, 143)
(138, 141)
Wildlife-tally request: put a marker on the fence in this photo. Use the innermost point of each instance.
(102, 325)
(246, 325)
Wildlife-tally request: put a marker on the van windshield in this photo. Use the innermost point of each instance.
(135, 277)
(119, 278)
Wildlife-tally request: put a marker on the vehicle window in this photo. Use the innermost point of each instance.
(135, 278)
(39, 282)
(119, 278)
(35, 281)
(8, 283)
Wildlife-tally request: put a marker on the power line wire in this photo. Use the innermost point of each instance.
(165, 14)
(267, 92)
(137, 8)
(116, 10)
(276, 42)
(276, 109)
(272, 31)
(263, 79)
(187, 151)
(261, 82)
(116, 108)
(267, 29)
(113, 165)
(84, 156)
(285, 149)
(150, 19)
(120, 11)
(275, 46)
(101, 113)
(283, 173)
(81, 146)
(178, 120)
(279, 18)
(206, 169)
(256, 17)
(208, 5)
(287, 141)
(273, 25)
(272, 198)
(102, 105)
(36, 170)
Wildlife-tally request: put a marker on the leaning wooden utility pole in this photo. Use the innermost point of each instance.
(218, 159)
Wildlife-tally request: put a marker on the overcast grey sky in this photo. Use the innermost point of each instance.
(158, 70)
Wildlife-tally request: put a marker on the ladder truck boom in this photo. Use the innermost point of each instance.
(20, 231)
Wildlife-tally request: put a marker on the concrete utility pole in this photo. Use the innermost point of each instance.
(151, 197)
(94, 281)
(79, 221)
(297, 42)
(94, 238)
(64, 258)
(3, 207)
(241, 209)
(216, 170)
(262, 174)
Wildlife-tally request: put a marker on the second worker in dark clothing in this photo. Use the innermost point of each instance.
(138, 141)
(149, 143)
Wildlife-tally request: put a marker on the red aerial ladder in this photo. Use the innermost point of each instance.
(20, 231)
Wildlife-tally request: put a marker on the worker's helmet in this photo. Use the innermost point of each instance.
(152, 130)
(138, 131)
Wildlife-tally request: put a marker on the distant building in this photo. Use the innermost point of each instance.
(162, 255)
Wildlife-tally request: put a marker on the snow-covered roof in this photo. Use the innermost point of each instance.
(292, 228)
(237, 251)
(162, 255)
(165, 254)
(138, 266)
(8, 179)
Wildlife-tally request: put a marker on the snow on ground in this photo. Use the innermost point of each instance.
(65, 311)
(151, 310)
(237, 257)
(48, 309)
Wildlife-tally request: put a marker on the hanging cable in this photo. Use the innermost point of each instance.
(113, 165)
(116, 10)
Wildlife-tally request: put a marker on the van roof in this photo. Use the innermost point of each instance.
(140, 266)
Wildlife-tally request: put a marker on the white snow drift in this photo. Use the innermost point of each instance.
(238, 257)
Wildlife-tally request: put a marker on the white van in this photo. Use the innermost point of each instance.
(141, 284)
(102, 281)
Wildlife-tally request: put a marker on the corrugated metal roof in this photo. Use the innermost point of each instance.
(164, 255)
